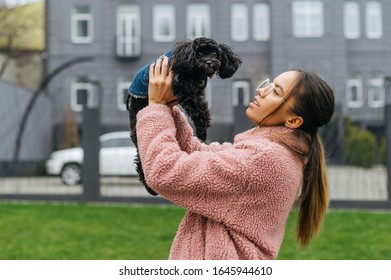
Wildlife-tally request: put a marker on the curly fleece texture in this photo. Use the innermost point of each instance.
(238, 196)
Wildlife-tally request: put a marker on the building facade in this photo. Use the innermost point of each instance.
(346, 42)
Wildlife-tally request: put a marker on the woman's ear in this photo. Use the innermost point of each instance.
(294, 122)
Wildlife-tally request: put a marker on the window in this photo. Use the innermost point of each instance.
(128, 31)
(198, 21)
(261, 22)
(122, 93)
(239, 22)
(164, 23)
(81, 95)
(354, 93)
(376, 91)
(351, 20)
(373, 18)
(307, 19)
(82, 25)
(240, 93)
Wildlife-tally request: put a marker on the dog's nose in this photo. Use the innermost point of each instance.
(209, 63)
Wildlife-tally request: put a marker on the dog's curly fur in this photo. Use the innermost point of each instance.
(193, 62)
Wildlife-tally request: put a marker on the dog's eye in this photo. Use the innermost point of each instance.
(213, 54)
(200, 54)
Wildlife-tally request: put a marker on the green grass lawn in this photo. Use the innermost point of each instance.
(346, 235)
(87, 231)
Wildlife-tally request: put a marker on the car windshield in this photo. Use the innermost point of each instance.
(116, 142)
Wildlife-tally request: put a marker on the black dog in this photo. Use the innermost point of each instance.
(192, 62)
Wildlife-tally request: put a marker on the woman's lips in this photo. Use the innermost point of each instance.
(256, 102)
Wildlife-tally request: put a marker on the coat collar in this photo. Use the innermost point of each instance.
(296, 140)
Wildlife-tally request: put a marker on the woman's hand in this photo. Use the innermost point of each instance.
(160, 83)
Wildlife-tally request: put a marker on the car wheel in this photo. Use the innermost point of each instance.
(71, 174)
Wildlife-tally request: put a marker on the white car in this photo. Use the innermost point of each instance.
(116, 157)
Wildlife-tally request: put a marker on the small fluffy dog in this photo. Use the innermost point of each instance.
(192, 62)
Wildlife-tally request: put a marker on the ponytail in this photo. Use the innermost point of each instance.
(314, 197)
(314, 102)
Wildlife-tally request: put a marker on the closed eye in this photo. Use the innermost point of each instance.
(277, 93)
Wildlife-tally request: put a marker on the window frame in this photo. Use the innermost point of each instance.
(128, 45)
(307, 13)
(200, 13)
(239, 14)
(122, 85)
(370, 8)
(376, 82)
(90, 95)
(77, 17)
(164, 12)
(357, 82)
(261, 13)
(352, 18)
(235, 93)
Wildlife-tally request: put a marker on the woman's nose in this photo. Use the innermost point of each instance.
(261, 92)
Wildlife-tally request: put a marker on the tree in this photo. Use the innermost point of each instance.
(360, 145)
(21, 28)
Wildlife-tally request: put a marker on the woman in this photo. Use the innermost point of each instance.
(238, 196)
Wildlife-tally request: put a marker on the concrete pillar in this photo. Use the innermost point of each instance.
(91, 147)
(387, 121)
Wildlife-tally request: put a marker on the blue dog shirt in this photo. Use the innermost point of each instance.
(139, 85)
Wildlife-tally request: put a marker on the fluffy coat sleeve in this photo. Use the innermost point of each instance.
(185, 135)
(225, 184)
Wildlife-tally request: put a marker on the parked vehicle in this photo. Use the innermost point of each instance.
(116, 158)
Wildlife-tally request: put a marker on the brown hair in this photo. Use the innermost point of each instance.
(314, 102)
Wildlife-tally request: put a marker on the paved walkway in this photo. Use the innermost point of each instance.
(346, 183)
(353, 183)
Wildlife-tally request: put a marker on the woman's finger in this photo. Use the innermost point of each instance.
(164, 69)
(158, 67)
(151, 71)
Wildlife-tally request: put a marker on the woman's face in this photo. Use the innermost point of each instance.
(263, 105)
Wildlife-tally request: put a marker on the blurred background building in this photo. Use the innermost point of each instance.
(346, 42)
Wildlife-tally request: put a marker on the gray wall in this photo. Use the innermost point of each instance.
(36, 141)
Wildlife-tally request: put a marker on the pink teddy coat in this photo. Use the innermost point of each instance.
(238, 196)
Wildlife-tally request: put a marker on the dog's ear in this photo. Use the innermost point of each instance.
(183, 56)
(230, 62)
